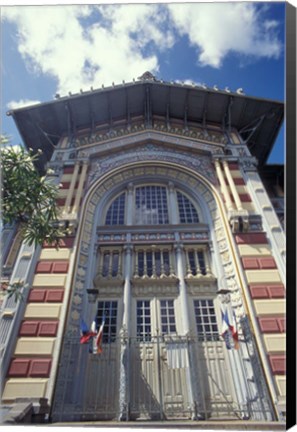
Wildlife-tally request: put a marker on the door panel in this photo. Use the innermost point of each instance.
(215, 378)
(102, 384)
(156, 392)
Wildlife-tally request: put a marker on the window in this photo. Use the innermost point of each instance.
(206, 322)
(167, 317)
(187, 212)
(195, 262)
(109, 309)
(116, 212)
(151, 205)
(143, 320)
(152, 263)
(110, 263)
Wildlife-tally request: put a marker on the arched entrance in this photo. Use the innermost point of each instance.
(152, 247)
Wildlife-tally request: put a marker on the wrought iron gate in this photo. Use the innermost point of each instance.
(199, 387)
(156, 390)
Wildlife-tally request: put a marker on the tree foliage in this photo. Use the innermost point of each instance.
(27, 198)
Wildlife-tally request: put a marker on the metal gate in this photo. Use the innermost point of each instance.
(156, 391)
(101, 394)
(199, 387)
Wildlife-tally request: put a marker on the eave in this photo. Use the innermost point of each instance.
(42, 125)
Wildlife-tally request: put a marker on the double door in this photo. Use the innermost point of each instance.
(159, 386)
(176, 377)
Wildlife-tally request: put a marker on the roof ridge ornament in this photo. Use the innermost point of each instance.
(147, 76)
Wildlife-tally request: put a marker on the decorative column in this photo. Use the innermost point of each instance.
(190, 371)
(127, 286)
(124, 338)
(182, 288)
(207, 262)
(223, 185)
(172, 204)
(130, 212)
(232, 186)
(80, 187)
(67, 205)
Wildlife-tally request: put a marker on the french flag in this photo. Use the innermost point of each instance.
(97, 341)
(85, 333)
(229, 325)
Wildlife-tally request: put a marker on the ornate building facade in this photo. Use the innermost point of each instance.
(170, 225)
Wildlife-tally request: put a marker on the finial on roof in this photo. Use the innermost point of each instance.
(147, 76)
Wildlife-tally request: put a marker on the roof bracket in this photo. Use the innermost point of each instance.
(252, 127)
(204, 112)
(148, 111)
(227, 119)
(128, 114)
(92, 130)
(167, 117)
(70, 123)
(186, 118)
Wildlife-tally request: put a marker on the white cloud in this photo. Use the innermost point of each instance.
(218, 29)
(84, 46)
(56, 41)
(21, 103)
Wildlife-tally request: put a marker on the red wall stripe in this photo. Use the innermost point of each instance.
(258, 263)
(60, 267)
(65, 242)
(49, 295)
(272, 324)
(239, 181)
(233, 166)
(52, 267)
(245, 197)
(278, 364)
(40, 328)
(267, 291)
(251, 238)
(44, 267)
(54, 296)
(40, 368)
(68, 169)
(27, 367)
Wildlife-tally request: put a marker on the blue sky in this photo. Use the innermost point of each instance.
(50, 49)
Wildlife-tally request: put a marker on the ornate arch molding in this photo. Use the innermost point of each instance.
(113, 179)
(143, 149)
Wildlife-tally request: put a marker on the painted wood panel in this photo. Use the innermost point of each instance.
(22, 387)
(275, 343)
(254, 250)
(49, 280)
(31, 346)
(43, 310)
(263, 276)
(53, 254)
(270, 307)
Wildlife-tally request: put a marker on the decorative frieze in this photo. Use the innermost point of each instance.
(155, 289)
(152, 152)
(215, 139)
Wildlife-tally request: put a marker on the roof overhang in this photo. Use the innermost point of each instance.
(42, 125)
